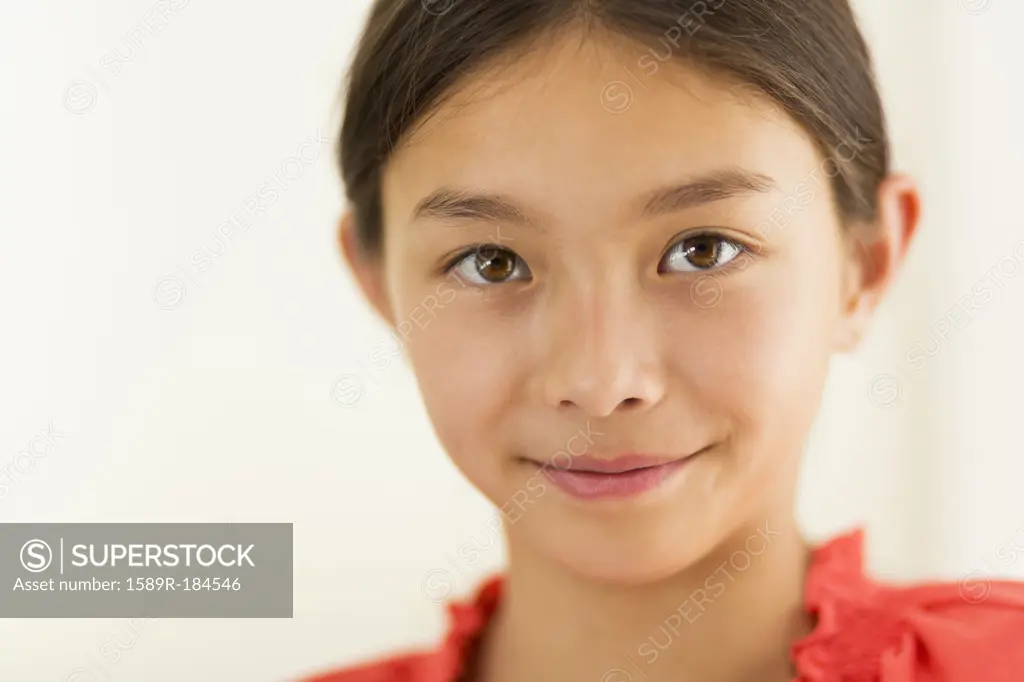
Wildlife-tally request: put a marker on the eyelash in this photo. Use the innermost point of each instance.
(743, 250)
(460, 256)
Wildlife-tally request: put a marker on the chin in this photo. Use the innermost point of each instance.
(628, 549)
(613, 571)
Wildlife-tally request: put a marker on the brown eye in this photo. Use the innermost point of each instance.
(700, 252)
(490, 265)
(495, 265)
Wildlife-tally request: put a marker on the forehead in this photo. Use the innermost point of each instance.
(576, 123)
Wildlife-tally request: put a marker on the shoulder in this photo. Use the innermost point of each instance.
(967, 631)
(445, 663)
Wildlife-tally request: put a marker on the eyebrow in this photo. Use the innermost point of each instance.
(715, 186)
(449, 204)
(455, 204)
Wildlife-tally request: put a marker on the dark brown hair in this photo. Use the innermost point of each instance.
(807, 55)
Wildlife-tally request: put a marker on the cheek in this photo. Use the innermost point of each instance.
(465, 373)
(759, 357)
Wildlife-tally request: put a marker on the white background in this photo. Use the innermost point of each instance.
(221, 408)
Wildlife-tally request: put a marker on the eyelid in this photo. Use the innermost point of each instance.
(449, 261)
(743, 248)
(747, 243)
(453, 263)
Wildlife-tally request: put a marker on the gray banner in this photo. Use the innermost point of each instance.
(145, 570)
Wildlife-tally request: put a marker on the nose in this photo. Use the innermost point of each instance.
(601, 354)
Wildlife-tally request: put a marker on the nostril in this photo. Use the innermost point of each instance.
(625, 404)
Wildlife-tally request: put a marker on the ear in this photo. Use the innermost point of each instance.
(875, 255)
(365, 266)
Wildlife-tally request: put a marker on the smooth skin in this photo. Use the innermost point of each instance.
(671, 279)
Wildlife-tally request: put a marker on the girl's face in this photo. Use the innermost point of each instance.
(587, 263)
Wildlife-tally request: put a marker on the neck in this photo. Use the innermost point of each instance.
(731, 617)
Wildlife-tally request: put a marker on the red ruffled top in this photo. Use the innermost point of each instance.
(971, 631)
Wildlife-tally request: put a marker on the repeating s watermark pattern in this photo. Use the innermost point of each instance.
(438, 584)
(886, 390)
(22, 464)
(80, 96)
(349, 388)
(617, 95)
(708, 289)
(169, 292)
(438, 7)
(111, 651)
(975, 586)
(696, 604)
(976, 6)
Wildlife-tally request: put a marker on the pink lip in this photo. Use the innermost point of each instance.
(591, 478)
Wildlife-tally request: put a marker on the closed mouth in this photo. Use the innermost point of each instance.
(589, 478)
(623, 464)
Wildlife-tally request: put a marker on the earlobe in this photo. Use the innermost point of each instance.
(366, 267)
(859, 272)
(850, 330)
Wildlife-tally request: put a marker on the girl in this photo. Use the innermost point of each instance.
(621, 240)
